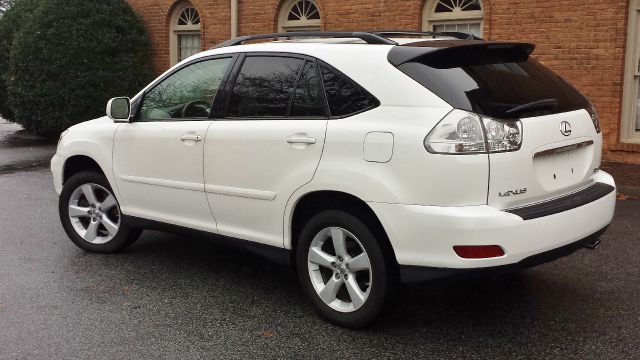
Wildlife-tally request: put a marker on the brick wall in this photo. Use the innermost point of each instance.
(261, 16)
(583, 40)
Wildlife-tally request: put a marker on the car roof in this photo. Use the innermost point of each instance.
(307, 46)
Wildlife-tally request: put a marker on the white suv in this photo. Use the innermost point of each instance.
(363, 159)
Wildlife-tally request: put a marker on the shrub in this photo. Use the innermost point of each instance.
(10, 24)
(71, 58)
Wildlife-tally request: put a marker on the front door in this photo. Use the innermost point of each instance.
(158, 158)
(267, 145)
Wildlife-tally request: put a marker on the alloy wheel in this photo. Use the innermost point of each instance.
(94, 213)
(339, 269)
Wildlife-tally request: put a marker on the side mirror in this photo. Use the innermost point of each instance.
(119, 109)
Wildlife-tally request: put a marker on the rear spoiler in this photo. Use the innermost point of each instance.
(445, 54)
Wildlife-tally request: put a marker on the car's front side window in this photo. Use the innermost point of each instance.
(186, 94)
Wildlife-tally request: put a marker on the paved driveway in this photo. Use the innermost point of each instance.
(21, 151)
(179, 297)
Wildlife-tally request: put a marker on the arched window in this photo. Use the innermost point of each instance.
(185, 32)
(299, 15)
(453, 15)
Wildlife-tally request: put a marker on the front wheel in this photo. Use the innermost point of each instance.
(90, 214)
(343, 269)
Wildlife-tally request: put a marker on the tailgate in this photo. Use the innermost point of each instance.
(558, 155)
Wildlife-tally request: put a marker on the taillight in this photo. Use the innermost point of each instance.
(463, 132)
(594, 117)
(460, 132)
(503, 135)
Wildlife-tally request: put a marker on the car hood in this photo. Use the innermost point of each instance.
(90, 123)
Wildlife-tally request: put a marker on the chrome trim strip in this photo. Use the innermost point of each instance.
(563, 149)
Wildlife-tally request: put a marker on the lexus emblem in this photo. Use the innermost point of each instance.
(565, 128)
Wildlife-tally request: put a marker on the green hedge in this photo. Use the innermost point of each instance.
(10, 24)
(71, 58)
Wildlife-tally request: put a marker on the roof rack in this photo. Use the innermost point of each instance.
(369, 38)
(453, 34)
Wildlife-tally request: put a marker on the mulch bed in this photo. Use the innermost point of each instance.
(625, 174)
(627, 178)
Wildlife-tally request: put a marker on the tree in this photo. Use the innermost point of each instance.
(70, 58)
(10, 24)
(5, 5)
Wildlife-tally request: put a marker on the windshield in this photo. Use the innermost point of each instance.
(498, 87)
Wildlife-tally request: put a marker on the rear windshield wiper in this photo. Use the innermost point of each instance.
(534, 105)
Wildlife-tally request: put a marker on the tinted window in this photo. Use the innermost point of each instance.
(307, 100)
(187, 93)
(264, 87)
(343, 95)
(497, 86)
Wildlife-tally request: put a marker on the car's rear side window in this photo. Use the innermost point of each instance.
(264, 86)
(307, 99)
(344, 96)
(496, 87)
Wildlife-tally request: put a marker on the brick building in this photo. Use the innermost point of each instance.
(591, 43)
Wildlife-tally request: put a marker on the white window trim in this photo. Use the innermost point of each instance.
(431, 18)
(176, 30)
(628, 133)
(285, 25)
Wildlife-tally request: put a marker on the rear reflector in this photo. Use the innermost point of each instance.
(478, 251)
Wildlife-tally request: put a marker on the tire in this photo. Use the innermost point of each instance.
(90, 214)
(318, 263)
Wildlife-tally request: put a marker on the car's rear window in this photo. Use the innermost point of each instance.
(495, 84)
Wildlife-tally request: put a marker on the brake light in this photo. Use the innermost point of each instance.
(463, 132)
(478, 251)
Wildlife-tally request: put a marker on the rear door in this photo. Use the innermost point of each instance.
(559, 155)
(561, 140)
(561, 143)
(265, 145)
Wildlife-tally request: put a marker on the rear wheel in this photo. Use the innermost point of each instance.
(90, 214)
(343, 269)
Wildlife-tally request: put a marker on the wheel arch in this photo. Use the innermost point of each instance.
(315, 201)
(77, 163)
(80, 160)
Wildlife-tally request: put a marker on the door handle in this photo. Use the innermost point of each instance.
(301, 139)
(191, 137)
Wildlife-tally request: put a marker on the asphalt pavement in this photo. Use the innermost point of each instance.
(20, 150)
(179, 297)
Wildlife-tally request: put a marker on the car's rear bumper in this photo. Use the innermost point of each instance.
(412, 274)
(424, 236)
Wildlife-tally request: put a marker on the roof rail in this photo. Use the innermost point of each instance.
(453, 34)
(369, 38)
